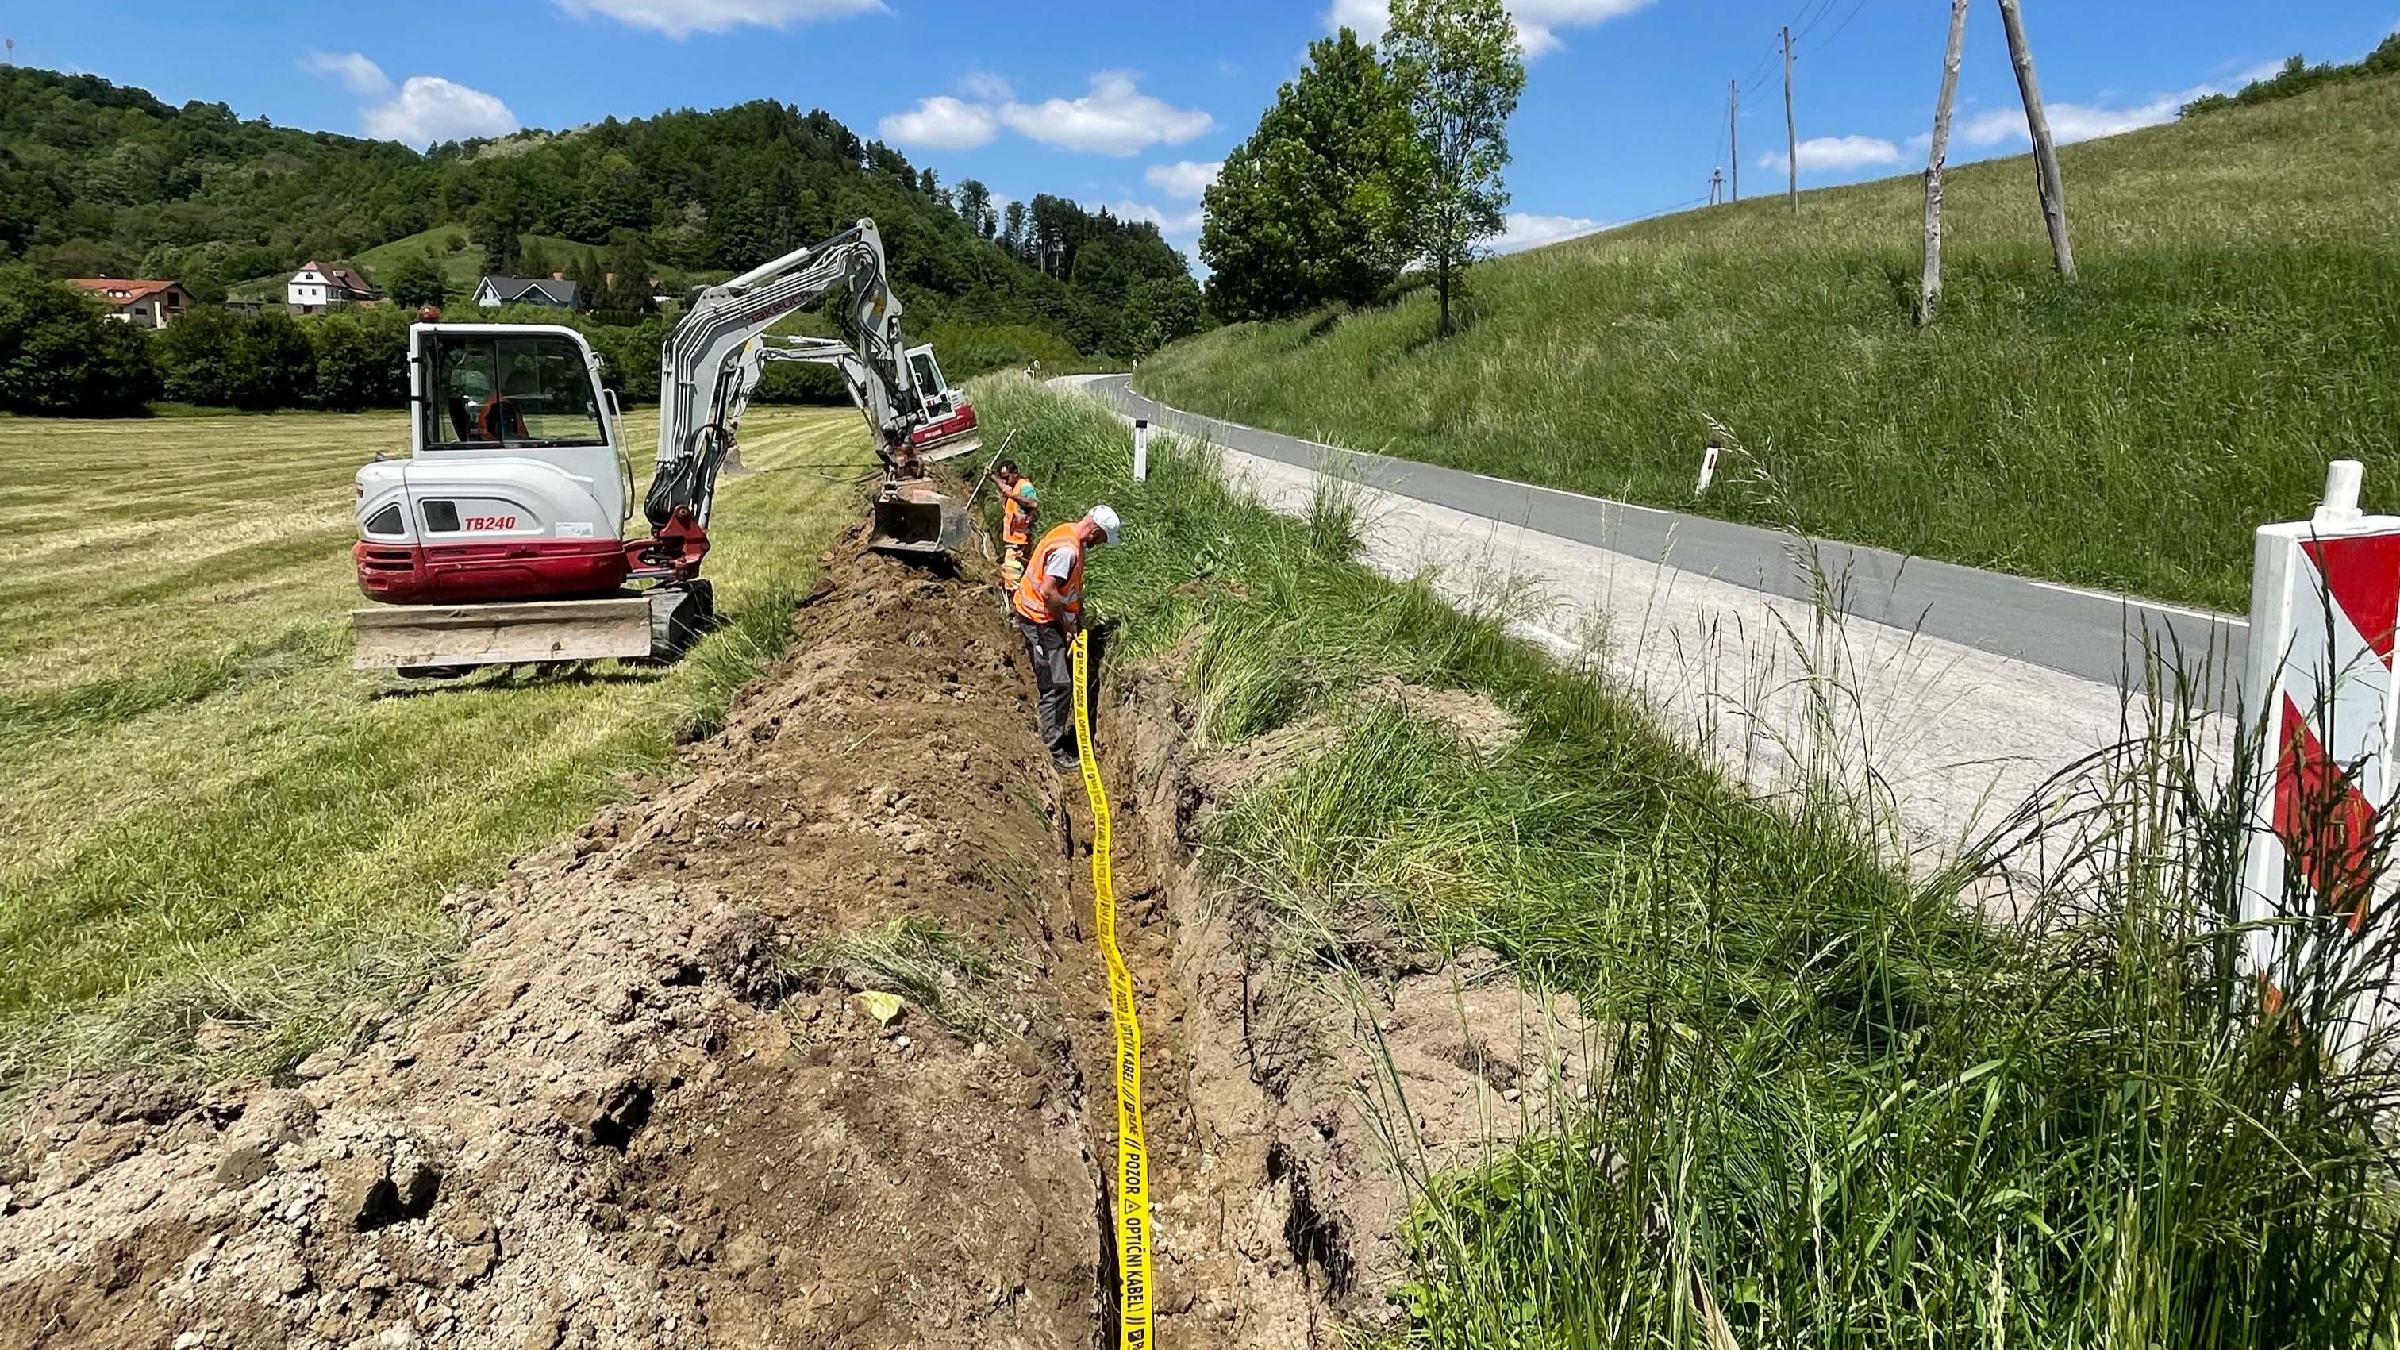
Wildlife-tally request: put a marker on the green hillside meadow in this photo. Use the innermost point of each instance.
(2233, 327)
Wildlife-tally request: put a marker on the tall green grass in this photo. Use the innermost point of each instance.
(2233, 328)
(1841, 1108)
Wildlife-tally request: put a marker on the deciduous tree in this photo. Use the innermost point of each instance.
(975, 208)
(1303, 212)
(1160, 310)
(416, 283)
(1461, 70)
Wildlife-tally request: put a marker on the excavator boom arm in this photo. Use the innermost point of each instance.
(715, 357)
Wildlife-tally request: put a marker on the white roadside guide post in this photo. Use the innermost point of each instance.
(2324, 606)
(1141, 449)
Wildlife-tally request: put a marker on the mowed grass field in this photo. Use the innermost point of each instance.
(209, 816)
(2235, 325)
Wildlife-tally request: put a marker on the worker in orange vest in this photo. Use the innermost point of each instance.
(1020, 507)
(1048, 601)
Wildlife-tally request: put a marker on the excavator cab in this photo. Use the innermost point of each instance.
(948, 430)
(515, 487)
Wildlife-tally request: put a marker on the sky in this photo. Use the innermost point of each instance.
(1132, 104)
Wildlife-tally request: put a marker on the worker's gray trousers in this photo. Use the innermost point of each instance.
(1054, 680)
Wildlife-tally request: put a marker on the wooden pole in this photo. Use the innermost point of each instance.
(1791, 125)
(2052, 184)
(1733, 124)
(1930, 296)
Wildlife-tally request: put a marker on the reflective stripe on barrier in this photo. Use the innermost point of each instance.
(2325, 602)
(1133, 1151)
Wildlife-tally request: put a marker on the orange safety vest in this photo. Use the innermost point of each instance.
(1016, 518)
(1029, 599)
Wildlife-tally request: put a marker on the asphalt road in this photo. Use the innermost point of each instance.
(2085, 634)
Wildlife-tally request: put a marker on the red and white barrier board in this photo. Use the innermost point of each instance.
(2324, 610)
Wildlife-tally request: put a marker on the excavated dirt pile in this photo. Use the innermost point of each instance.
(810, 1048)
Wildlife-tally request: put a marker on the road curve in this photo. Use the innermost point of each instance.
(1940, 697)
(2087, 634)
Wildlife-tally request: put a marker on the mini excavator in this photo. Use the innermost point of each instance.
(501, 539)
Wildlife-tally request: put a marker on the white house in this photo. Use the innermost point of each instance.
(316, 288)
(553, 291)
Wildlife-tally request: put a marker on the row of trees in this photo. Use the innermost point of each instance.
(1369, 164)
(2297, 77)
(60, 356)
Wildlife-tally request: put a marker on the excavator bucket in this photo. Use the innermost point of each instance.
(914, 519)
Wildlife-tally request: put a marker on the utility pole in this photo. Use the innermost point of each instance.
(1930, 296)
(1733, 127)
(2052, 184)
(1791, 125)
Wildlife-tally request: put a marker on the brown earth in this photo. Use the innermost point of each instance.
(657, 1114)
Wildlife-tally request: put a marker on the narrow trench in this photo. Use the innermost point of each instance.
(1105, 1292)
(1107, 1297)
(1245, 1255)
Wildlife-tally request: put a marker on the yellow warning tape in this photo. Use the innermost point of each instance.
(1133, 1149)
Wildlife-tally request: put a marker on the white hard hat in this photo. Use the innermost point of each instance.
(1105, 517)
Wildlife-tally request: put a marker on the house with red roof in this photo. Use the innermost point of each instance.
(140, 302)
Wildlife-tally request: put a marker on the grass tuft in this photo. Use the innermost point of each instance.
(918, 959)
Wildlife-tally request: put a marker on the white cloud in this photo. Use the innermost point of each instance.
(1525, 230)
(2071, 122)
(942, 123)
(362, 76)
(1174, 224)
(1115, 118)
(984, 86)
(682, 18)
(423, 109)
(1836, 154)
(1538, 21)
(1186, 178)
(429, 108)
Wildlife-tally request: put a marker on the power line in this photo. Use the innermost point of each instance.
(1763, 71)
(1845, 23)
(1805, 25)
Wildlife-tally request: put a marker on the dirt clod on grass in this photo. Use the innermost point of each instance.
(809, 1048)
(1480, 724)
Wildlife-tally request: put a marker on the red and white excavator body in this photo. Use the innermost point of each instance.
(517, 484)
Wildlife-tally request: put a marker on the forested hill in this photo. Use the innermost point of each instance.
(99, 179)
